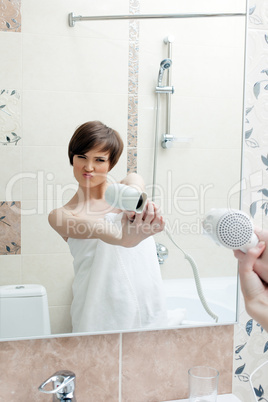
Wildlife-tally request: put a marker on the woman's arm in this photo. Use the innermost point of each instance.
(143, 225)
(69, 225)
(253, 273)
(134, 180)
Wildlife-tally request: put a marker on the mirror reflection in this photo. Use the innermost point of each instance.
(114, 72)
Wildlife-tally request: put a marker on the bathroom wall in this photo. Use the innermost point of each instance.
(54, 78)
(251, 342)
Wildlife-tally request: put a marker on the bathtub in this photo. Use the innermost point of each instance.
(220, 294)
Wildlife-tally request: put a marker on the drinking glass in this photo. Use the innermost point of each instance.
(203, 384)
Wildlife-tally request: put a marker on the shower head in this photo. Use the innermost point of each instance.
(164, 65)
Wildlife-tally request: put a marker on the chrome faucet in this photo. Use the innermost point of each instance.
(162, 253)
(63, 386)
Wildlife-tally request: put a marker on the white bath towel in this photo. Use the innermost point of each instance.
(116, 288)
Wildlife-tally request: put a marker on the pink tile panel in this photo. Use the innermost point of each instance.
(24, 365)
(155, 364)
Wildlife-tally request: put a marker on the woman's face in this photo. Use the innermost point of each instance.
(90, 169)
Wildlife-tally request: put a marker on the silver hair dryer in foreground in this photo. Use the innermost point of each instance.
(230, 228)
(125, 197)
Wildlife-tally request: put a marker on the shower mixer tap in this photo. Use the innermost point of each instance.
(167, 140)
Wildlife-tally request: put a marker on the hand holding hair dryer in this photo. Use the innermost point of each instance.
(129, 198)
(125, 197)
(230, 228)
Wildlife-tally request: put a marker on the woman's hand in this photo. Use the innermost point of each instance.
(137, 227)
(253, 272)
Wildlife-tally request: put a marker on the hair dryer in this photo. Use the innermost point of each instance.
(125, 197)
(230, 228)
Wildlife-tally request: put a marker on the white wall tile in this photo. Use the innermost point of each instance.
(58, 114)
(11, 163)
(48, 270)
(11, 63)
(145, 165)
(208, 123)
(193, 6)
(37, 235)
(10, 270)
(74, 64)
(196, 167)
(225, 31)
(207, 259)
(47, 172)
(60, 320)
(52, 18)
(147, 120)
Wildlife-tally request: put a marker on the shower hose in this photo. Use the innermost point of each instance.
(196, 278)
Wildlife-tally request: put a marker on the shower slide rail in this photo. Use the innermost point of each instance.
(72, 19)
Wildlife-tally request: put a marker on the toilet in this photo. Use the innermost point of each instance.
(23, 311)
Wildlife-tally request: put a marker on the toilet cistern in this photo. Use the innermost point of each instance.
(63, 382)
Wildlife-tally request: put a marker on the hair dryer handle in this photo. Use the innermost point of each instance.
(252, 243)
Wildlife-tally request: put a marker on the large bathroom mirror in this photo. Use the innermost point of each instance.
(55, 77)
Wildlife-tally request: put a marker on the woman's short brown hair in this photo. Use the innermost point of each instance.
(95, 134)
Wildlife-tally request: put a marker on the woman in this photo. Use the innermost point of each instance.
(253, 273)
(117, 282)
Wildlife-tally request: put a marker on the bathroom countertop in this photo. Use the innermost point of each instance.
(220, 398)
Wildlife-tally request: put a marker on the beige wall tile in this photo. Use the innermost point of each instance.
(37, 18)
(60, 320)
(11, 72)
(38, 237)
(93, 359)
(10, 184)
(155, 364)
(48, 270)
(171, 6)
(54, 61)
(60, 112)
(10, 270)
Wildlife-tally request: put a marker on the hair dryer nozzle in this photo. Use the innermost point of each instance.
(230, 228)
(125, 197)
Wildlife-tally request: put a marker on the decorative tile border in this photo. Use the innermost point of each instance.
(10, 16)
(258, 14)
(10, 228)
(250, 352)
(133, 82)
(10, 117)
(132, 160)
(251, 341)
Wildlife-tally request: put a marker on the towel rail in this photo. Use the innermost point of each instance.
(72, 19)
